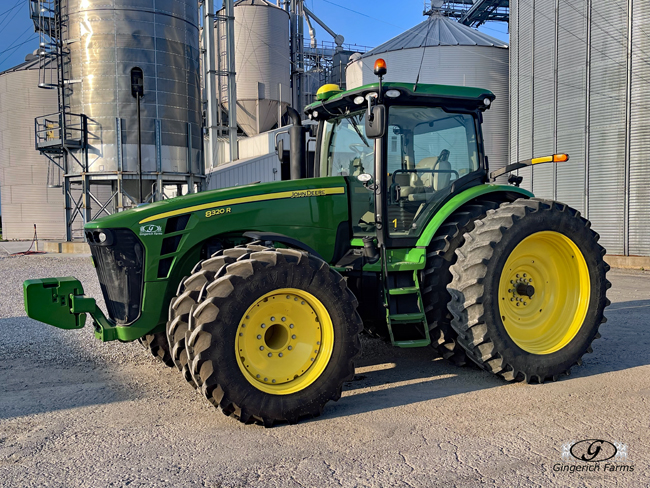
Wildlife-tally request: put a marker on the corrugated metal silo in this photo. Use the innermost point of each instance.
(449, 53)
(109, 38)
(580, 83)
(26, 199)
(262, 64)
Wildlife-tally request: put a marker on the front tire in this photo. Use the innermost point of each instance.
(529, 290)
(274, 337)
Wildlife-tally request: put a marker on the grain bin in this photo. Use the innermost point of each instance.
(441, 51)
(26, 198)
(262, 64)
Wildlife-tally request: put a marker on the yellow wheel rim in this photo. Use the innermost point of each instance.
(284, 341)
(555, 268)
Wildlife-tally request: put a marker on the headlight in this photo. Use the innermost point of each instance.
(359, 100)
(393, 93)
(102, 237)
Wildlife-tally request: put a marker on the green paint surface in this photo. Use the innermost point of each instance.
(462, 198)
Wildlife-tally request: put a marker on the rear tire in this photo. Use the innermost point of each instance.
(441, 255)
(232, 371)
(531, 311)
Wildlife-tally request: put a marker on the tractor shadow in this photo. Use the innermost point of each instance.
(43, 370)
(625, 340)
(389, 377)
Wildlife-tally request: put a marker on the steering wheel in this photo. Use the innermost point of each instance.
(359, 149)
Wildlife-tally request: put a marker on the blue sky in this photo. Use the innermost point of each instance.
(363, 22)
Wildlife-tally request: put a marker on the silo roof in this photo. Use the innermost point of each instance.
(31, 62)
(437, 30)
(258, 3)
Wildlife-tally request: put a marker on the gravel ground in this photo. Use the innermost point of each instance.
(76, 412)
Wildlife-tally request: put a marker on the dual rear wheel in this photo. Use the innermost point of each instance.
(270, 336)
(529, 290)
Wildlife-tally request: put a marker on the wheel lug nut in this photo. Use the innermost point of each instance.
(312, 359)
(241, 334)
(318, 343)
(280, 354)
(258, 376)
(263, 326)
(272, 381)
(291, 326)
(524, 275)
(302, 303)
(266, 379)
(270, 354)
(284, 319)
(316, 351)
(261, 348)
(290, 348)
(293, 336)
(272, 319)
(259, 336)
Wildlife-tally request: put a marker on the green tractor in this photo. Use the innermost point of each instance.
(258, 293)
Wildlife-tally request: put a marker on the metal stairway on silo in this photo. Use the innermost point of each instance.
(62, 136)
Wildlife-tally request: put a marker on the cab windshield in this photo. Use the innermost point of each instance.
(346, 151)
(427, 150)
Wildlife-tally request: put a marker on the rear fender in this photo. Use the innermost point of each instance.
(505, 193)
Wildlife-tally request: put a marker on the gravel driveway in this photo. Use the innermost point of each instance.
(76, 412)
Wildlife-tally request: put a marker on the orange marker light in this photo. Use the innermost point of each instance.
(380, 67)
(560, 158)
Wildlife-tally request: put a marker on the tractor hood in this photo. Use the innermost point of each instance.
(158, 212)
(174, 233)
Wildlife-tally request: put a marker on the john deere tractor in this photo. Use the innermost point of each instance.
(258, 293)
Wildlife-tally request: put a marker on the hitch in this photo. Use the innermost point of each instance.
(61, 302)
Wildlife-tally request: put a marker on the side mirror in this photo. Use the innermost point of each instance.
(376, 122)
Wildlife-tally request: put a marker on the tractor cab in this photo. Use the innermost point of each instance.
(404, 150)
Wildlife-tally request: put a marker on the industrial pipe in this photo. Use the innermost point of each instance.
(298, 162)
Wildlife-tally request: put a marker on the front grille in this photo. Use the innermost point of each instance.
(119, 261)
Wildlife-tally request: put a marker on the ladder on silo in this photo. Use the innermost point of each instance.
(63, 136)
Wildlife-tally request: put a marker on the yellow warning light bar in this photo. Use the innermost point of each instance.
(556, 158)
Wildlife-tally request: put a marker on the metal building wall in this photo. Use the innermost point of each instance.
(26, 200)
(261, 169)
(639, 173)
(580, 84)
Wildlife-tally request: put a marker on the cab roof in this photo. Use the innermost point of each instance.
(440, 95)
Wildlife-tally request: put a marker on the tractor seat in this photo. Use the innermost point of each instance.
(422, 185)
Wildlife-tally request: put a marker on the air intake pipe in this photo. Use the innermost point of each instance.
(298, 162)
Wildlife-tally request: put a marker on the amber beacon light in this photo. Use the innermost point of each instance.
(380, 67)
